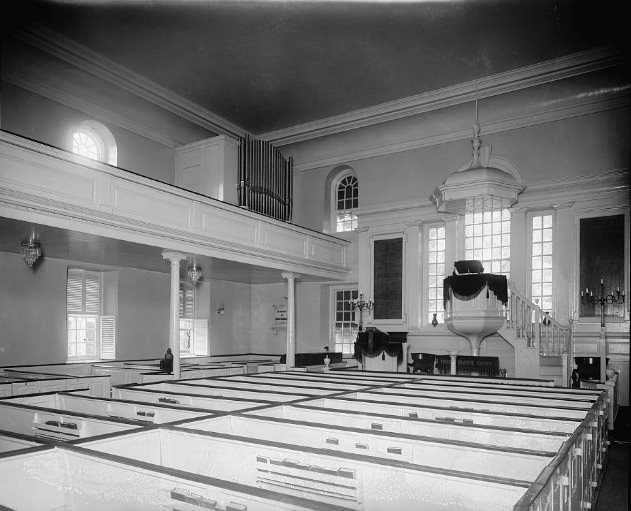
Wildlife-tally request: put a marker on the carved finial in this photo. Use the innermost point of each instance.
(476, 143)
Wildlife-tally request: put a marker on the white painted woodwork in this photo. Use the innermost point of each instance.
(209, 167)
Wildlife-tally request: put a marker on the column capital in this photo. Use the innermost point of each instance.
(173, 256)
(290, 275)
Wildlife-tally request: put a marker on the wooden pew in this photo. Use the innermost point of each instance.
(41, 422)
(184, 387)
(68, 477)
(472, 457)
(210, 403)
(463, 431)
(351, 480)
(107, 408)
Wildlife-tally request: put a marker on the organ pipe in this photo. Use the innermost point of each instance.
(265, 180)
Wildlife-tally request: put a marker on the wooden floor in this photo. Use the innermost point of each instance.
(614, 494)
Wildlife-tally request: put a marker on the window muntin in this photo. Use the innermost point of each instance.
(541, 261)
(345, 326)
(487, 239)
(84, 144)
(347, 200)
(435, 273)
(95, 141)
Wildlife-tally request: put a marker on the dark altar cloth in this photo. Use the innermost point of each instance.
(373, 342)
(467, 287)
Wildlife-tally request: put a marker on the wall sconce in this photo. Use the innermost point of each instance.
(31, 250)
(221, 310)
(194, 273)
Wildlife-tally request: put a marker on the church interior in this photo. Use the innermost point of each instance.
(384, 245)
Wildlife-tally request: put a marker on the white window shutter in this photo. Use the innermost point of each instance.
(74, 292)
(201, 337)
(92, 292)
(108, 337)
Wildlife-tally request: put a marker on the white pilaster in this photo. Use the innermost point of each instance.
(291, 319)
(564, 265)
(174, 316)
(518, 251)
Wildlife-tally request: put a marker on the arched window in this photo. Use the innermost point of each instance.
(346, 202)
(93, 140)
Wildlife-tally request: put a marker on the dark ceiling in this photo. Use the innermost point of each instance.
(268, 65)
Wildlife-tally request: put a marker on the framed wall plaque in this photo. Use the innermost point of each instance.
(388, 278)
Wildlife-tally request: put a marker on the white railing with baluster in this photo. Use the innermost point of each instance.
(537, 326)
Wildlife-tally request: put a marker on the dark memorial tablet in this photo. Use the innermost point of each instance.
(388, 278)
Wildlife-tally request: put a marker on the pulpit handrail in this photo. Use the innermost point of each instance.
(536, 325)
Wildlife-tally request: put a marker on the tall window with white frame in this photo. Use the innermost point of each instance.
(90, 334)
(435, 273)
(347, 200)
(193, 331)
(187, 318)
(345, 326)
(487, 237)
(541, 261)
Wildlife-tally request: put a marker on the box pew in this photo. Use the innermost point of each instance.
(352, 480)
(11, 441)
(119, 375)
(501, 383)
(210, 403)
(511, 395)
(333, 386)
(303, 390)
(483, 379)
(515, 398)
(456, 401)
(31, 383)
(184, 387)
(69, 478)
(108, 408)
(74, 369)
(324, 378)
(469, 457)
(595, 413)
(56, 424)
(446, 414)
(6, 387)
(569, 482)
(515, 438)
(382, 378)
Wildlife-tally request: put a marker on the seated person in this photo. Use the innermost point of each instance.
(166, 364)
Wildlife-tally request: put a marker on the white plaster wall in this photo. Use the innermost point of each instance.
(35, 117)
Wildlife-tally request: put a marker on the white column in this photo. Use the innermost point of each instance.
(291, 319)
(174, 316)
(453, 368)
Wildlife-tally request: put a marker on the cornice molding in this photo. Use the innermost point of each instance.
(78, 55)
(558, 69)
(620, 99)
(564, 192)
(530, 76)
